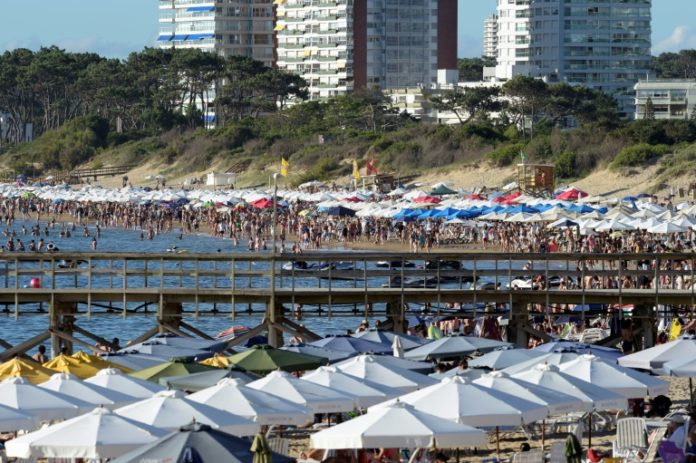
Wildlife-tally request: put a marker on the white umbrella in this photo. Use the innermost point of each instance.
(549, 358)
(99, 434)
(667, 227)
(503, 358)
(317, 398)
(170, 410)
(390, 361)
(624, 381)
(115, 380)
(594, 397)
(231, 395)
(555, 401)
(37, 402)
(397, 347)
(13, 420)
(656, 357)
(367, 368)
(395, 426)
(70, 385)
(614, 225)
(367, 394)
(463, 401)
(452, 346)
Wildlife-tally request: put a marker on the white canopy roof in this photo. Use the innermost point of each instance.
(115, 380)
(451, 346)
(654, 358)
(13, 420)
(96, 395)
(369, 369)
(367, 394)
(38, 402)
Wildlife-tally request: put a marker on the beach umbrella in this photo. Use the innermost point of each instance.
(18, 367)
(397, 348)
(549, 358)
(182, 342)
(199, 381)
(503, 358)
(99, 434)
(624, 381)
(683, 367)
(132, 361)
(98, 362)
(114, 380)
(170, 410)
(13, 420)
(387, 338)
(37, 402)
(458, 399)
(614, 225)
(331, 355)
(656, 357)
(164, 352)
(217, 361)
(352, 344)
(197, 443)
(468, 373)
(66, 364)
(555, 401)
(171, 368)
(70, 385)
(368, 368)
(667, 227)
(398, 425)
(441, 190)
(594, 397)
(264, 358)
(366, 394)
(563, 223)
(340, 211)
(317, 398)
(609, 354)
(453, 346)
(233, 396)
(390, 361)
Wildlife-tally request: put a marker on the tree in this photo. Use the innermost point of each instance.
(467, 103)
(528, 99)
(471, 69)
(680, 65)
(649, 110)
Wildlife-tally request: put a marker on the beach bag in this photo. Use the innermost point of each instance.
(670, 453)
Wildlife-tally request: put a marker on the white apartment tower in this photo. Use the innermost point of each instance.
(341, 45)
(230, 28)
(602, 44)
(490, 37)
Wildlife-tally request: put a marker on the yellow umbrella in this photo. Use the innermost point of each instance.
(96, 361)
(27, 369)
(217, 361)
(65, 364)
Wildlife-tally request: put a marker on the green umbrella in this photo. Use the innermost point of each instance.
(261, 449)
(263, 359)
(171, 368)
(441, 190)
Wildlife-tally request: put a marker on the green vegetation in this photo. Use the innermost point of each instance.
(638, 155)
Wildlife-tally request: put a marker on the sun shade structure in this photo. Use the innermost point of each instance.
(32, 371)
(656, 357)
(170, 410)
(198, 443)
(318, 399)
(453, 346)
(263, 359)
(331, 355)
(366, 394)
(115, 380)
(199, 381)
(387, 338)
(96, 395)
(398, 425)
(263, 408)
(352, 344)
(390, 361)
(172, 368)
(66, 364)
(99, 434)
(98, 362)
(369, 369)
(38, 402)
(13, 420)
(503, 358)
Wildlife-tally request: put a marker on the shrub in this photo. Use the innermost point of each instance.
(505, 155)
(565, 165)
(638, 155)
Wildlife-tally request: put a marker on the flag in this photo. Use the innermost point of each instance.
(522, 156)
(356, 170)
(284, 165)
(371, 167)
(675, 329)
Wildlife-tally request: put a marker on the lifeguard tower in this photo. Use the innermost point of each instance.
(535, 179)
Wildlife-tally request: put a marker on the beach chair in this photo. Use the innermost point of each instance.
(592, 335)
(279, 445)
(631, 438)
(533, 456)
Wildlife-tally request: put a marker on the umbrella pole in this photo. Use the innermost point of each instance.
(457, 455)
(589, 432)
(497, 441)
(691, 392)
(543, 434)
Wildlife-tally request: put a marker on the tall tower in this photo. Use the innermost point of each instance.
(490, 37)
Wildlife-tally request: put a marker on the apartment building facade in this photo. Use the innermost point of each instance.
(670, 99)
(490, 37)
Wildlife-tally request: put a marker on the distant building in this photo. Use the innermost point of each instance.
(339, 46)
(671, 99)
(490, 37)
(601, 44)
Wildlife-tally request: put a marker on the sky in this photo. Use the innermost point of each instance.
(115, 28)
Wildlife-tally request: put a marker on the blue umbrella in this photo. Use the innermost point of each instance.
(350, 344)
(340, 211)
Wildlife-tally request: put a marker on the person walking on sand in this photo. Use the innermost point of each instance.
(94, 243)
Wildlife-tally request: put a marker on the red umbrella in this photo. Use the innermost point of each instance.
(571, 195)
(476, 197)
(263, 203)
(427, 199)
(513, 196)
(353, 199)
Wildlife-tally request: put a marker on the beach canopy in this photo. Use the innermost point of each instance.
(70, 365)
(31, 371)
(656, 357)
(171, 368)
(13, 420)
(454, 346)
(114, 380)
(368, 368)
(199, 381)
(352, 344)
(317, 398)
(37, 402)
(72, 386)
(171, 410)
(233, 396)
(263, 359)
(398, 425)
(98, 362)
(197, 443)
(594, 397)
(503, 358)
(99, 434)
(458, 399)
(366, 394)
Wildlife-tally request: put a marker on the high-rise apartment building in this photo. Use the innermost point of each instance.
(490, 37)
(602, 44)
(230, 28)
(342, 45)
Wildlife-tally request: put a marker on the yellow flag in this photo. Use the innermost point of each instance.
(675, 329)
(284, 166)
(356, 170)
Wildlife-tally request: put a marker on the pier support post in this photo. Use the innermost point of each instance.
(275, 315)
(518, 324)
(169, 314)
(61, 318)
(644, 317)
(396, 320)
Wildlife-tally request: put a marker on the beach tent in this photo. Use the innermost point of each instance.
(114, 380)
(70, 385)
(39, 403)
(366, 394)
(369, 369)
(263, 359)
(233, 396)
(199, 443)
(18, 367)
(170, 410)
(171, 368)
(99, 434)
(453, 346)
(351, 344)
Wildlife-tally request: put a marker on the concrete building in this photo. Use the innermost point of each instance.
(671, 99)
(490, 37)
(230, 28)
(342, 45)
(602, 44)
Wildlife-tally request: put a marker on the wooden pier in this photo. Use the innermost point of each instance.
(172, 287)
